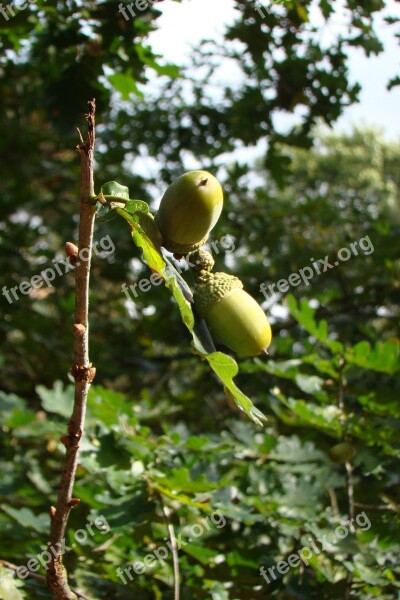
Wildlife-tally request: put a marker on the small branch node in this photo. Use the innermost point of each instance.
(74, 436)
(101, 199)
(73, 502)
(92, 374)
(66, 440)
(71, 250)
(82, 374)
(79, 329)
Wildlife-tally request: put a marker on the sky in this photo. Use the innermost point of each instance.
(183, 24)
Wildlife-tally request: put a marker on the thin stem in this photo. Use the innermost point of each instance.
(82, 369)
(350, 489)
(343, 421)
(349, 471)
(174, 548)
(342, 416)
(334, 502)
(373, 506)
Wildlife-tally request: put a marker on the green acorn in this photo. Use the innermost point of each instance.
(342, 453)
(189, 209)
(235, 319)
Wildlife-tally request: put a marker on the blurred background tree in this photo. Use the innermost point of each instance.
(160, 429)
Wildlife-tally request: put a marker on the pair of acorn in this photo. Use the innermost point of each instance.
(189, 209)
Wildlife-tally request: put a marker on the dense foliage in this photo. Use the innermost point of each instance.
(164, 444)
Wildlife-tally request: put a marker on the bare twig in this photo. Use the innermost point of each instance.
(14, 568)
(343, 422)
(341, 406)
(334, 502)
(350, 489)
(372, 506)
(349, 469)
(174, 548)
(82, 369)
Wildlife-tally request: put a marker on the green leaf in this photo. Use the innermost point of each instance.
(36, 476)
(288, 369)
(14, 411)
(132, 206)
(304, 314)
(115, 189)
(322, 417)
(104, 405)
(309, 384)
(295, 450)
(179, 480)
(146, 56)
(125, 85)
(197, 443)
(368, 574)
(302, 12)
(242, 513)
(57, 400)
(10, 402)
(216, 590)
(147, 236)
(236, 559)
(393, 82)
(27, 519)
(226, 368)
(383, 357)
(180, 497)
(326, 367)
(202, 554)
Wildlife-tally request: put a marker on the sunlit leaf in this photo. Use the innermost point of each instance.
(59, 400)
(125, 85)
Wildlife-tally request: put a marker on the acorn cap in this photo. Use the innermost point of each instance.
(180, 249)
(212, 287)
(235, 319)
(189, 209)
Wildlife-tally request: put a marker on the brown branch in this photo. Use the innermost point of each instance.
(82, 369)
